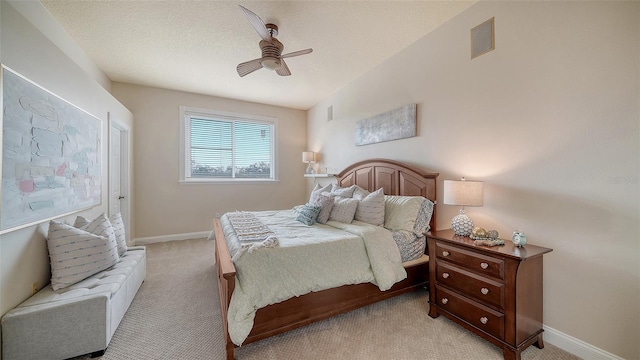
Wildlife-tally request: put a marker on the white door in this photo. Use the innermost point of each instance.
(115, 171)
(119, 178)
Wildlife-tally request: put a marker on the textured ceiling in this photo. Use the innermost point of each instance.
(194, 46)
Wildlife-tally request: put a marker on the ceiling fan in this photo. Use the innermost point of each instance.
(271, 48)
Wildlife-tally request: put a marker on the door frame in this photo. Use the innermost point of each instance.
(125, 172)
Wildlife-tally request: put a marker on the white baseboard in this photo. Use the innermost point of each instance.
(164, 238)
(576, 346)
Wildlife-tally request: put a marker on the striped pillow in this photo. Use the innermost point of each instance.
(76, 254)
(118, 229)
(101, 226)
(371, 208)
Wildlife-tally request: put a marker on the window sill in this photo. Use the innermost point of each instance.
(227, 181)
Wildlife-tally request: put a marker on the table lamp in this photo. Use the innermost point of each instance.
(463, 193)
(309, 157)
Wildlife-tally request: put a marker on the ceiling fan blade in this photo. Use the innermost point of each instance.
(256, 22)
(248, 67)
(283, 70)
(296, 53)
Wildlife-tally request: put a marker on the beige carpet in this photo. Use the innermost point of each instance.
(176, 315)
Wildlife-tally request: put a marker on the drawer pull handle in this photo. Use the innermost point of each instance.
(445, 301)
(445, 275)
(484, 320)
(484, 265)
(445, 253)
(484, 291)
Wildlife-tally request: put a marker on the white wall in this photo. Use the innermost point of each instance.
(165, 207)
(25, 49)
(549, 120)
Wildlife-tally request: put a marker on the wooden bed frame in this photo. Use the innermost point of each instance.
(396, 179)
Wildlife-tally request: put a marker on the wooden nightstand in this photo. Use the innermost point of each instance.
(496, 292)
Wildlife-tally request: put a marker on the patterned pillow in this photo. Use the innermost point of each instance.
(344, 209)
(77, 254)
(317, 191)
(308, 214)
(424, 217)
(360, 193)
(118, 229)
(411, 246)
(325, 202)
(100, 226)
(343, 192)
(371, 208)
(400, 212)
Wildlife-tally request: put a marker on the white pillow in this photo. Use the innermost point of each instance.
(343, 192)
(317, 191)
(360, 193)
(326, 203)
(77, 254)
(371, 208)
(100, 226)
(344, 209)
(400, 212)
(118, 230)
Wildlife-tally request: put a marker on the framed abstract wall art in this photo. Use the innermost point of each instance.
(50, 155)
(396, 124)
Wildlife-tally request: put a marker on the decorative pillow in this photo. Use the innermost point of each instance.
(325, 202)
(371, 208)
(317, 191)
(424, 217)
(100, 226)
(400, 212)
(360, 193)
(118, 229)
(308, 214)
(411, 246)
(76, 254)
(343, 192)
(344, 209)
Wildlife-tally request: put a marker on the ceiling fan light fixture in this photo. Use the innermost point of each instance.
(270, 63)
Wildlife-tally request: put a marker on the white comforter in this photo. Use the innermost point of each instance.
(308, 258)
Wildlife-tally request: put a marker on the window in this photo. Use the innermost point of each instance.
(226, 147)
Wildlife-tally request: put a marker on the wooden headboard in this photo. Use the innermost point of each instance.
(394, 177)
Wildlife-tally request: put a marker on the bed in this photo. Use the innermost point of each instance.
(394, 178)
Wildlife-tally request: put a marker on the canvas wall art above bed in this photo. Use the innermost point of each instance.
(352, 244)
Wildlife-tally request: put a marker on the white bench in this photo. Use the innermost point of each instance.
(77, 320)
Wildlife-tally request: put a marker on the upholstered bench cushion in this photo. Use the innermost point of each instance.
(107, 281)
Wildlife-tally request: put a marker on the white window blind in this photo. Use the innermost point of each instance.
(227, 147)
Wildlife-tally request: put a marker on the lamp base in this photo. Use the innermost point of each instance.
(310, 169)
(462, 224)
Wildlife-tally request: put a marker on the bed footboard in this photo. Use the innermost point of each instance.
(226, 281)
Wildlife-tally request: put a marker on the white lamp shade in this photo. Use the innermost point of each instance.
(463, 193)
(308, 157)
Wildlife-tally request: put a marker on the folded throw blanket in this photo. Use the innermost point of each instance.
(251, 232)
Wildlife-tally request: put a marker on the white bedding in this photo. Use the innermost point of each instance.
(308, 258)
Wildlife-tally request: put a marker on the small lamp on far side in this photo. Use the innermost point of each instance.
(463, 193)
(309, 157)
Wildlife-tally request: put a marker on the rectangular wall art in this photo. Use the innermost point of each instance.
(50, 155)
(392, 125)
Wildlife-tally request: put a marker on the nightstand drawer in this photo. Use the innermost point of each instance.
(473, 261)
(482, 317)
(483, 289)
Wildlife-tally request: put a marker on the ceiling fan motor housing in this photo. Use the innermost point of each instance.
(271, 51)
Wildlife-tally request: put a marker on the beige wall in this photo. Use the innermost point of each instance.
(25, 49)
(165, 207)
(550, 122)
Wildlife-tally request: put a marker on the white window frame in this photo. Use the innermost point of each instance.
(187, 112)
